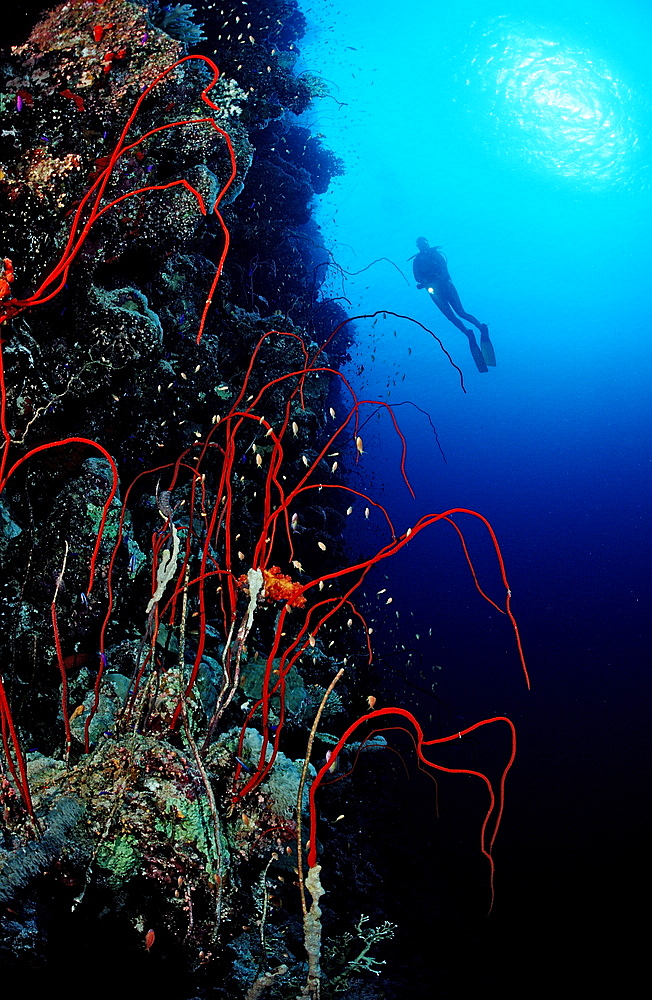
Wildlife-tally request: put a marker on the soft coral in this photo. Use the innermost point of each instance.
(279, 587)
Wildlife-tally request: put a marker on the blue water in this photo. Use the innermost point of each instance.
(518, 137)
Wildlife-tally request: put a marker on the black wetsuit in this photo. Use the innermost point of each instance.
(430, 268)
(431, 271)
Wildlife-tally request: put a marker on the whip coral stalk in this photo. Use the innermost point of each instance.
(494, 811)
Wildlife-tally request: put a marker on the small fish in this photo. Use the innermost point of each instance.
(74, 661)
(150, 937)
(367, 512)
(297, 565)
(332, 412)
(294, 521)
(358, 444)
(349, 510)
(321, 546)
(295, 428)
(371, 702)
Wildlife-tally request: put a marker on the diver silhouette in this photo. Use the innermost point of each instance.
(431, 271)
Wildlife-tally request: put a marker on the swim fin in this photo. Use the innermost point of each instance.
(480, 362)
(487, 347)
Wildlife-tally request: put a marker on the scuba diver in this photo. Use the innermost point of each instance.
(431, 272)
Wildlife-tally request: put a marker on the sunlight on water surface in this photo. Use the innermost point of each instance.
(555, 104)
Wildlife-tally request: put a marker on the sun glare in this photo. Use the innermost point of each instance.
(555, 105)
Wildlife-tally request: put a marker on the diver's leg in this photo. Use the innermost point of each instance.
(476, 353)
(486, 347)
(454, 299)
(442, 304)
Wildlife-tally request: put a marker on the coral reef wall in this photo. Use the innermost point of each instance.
(128, 832)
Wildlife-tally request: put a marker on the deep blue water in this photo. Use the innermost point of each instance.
(518, 137)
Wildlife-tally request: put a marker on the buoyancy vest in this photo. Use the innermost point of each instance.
(430, 266)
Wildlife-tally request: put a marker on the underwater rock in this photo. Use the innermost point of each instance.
(121, 326)
(178, 293)
(269, 819)
(113, 694)
(173, 217)
(251, 682)
(8, 528)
